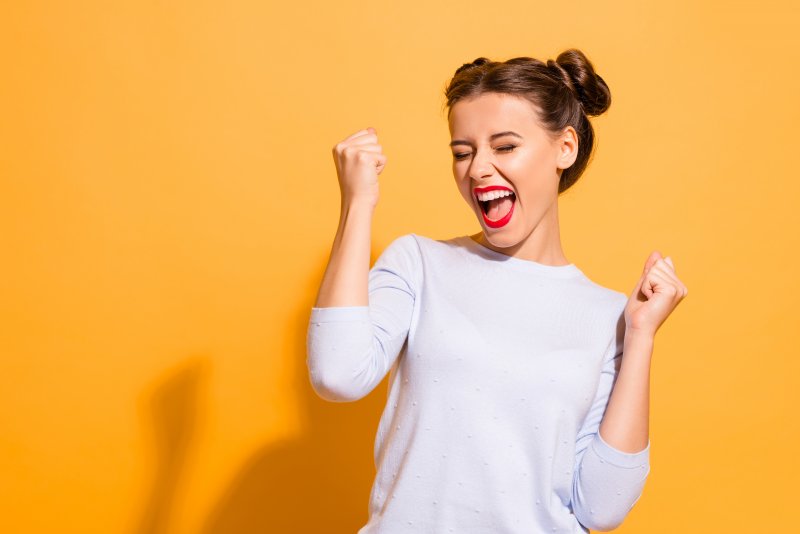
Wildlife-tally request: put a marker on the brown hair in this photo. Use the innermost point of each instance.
(564, 92)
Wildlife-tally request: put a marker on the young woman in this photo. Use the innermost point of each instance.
(518, 388)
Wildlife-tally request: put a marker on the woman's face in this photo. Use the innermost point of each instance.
(497, 141)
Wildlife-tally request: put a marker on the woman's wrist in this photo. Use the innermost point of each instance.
(638, 343)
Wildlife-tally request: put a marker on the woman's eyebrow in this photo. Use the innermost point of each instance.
(491, 138)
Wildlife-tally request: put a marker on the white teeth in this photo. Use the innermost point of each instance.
(497, 193)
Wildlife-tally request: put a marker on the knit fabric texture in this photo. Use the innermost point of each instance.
(500, 370)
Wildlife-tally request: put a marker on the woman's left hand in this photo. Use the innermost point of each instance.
(656, 294)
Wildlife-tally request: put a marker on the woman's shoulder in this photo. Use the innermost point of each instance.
(422, 252)
(604, 295)
(425, 244)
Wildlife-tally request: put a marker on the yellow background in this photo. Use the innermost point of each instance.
(168, 201)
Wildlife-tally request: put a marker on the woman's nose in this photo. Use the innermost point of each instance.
(481, 166)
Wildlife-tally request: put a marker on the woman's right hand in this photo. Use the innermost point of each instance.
(359, 160)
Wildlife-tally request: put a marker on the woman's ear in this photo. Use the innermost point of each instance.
(567, 148)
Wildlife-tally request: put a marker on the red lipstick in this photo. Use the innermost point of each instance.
(507, 217)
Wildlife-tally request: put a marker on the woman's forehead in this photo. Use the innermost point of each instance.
(482, 116)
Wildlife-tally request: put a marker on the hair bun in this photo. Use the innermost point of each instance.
(577, 73)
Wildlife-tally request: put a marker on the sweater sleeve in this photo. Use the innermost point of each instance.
(607, 481)
(349, 349)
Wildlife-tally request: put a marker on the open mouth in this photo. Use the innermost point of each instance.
(498, 208)
(496, 211)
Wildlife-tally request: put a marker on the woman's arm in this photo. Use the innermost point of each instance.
(351, 348)
(345, 280)
(359, 160)
(613, 466)
(361, 317)
(607, 480)
(659, 290)
(625, 424)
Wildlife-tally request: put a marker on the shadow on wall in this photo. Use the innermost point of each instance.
(318, 482)
(170, 413)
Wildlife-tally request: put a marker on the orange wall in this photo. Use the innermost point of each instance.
(168, 200)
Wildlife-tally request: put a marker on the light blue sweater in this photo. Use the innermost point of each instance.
(500, 370)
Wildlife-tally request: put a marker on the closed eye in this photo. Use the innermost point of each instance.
(505, 148)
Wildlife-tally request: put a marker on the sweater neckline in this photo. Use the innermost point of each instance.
(557, 271)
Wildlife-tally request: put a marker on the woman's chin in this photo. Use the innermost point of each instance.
(502, 238)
